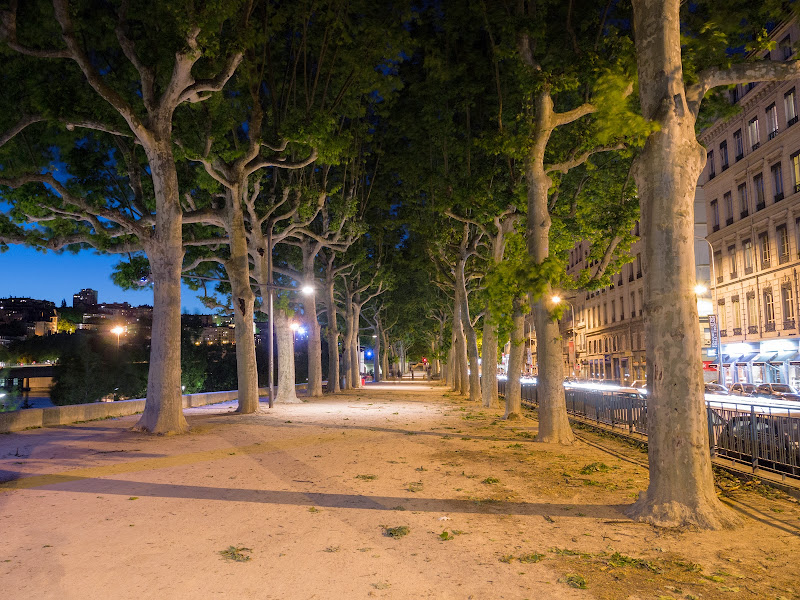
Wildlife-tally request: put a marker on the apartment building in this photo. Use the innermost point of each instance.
(751, 184)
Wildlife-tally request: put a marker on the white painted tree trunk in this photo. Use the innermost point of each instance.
(681, 489)
(470, 337)
(332, 334)
(284, 335)
(314, 332)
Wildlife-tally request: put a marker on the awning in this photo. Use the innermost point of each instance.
(763, 358)
(784, 357)
(746, 358)
(727, 359)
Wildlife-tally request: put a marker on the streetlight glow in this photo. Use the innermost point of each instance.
(700, 289)
(119, 331)
(294, 326)
(307, 290)
(556, 299)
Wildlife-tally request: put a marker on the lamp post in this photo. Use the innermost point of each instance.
(119, 331)
(558, 300)
(721, 372)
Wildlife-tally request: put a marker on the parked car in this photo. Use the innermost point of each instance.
(779, 391)
(776, 441)
(716, 388)
(743, 389)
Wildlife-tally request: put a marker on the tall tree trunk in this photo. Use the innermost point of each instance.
(163, 412)
(347, 343)
(470, 337)
(515, 362)
(553, 421)
(489, 392)
(385, 357)
(286, 376)
(242, 297)
(681, 489)
(314, 333)
(355, 362)
(376, 353)
(332, 331)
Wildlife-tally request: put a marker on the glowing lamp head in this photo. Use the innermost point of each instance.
(118, 330)
(700, 289)
(556, 299)
(294, 326)
(307, 290)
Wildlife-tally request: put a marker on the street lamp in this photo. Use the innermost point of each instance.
(119, 331)
(721, 372)
(559, 300)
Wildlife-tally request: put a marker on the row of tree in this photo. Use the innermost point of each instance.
(448, 152)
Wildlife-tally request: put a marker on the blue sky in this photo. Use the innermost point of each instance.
(50, 276)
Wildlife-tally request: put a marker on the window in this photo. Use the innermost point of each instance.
(621, 308)
(758, 184)
(718, 266)
(714, 216)
(787, 305)
(736, 313)
(772, 121)
(723, 154)
(732, 259)
(735, 94)
(722, 323)
(613, 311)
(753, 134)
(633, 304)
(636, 228)
(727, 200)
(638, 265)
(795, 158)
(785, 48)
(605, 313)
(641, 302)
(712, 170)
(783, 243)
(747, 247)
(763, 243)
(743, 206)
(769, 310)
(790, 107)
(752, 315)
(739, 144)
(777, 181)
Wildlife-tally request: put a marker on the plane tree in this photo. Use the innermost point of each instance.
(125, 69)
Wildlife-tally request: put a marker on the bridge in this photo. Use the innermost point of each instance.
(36, 378)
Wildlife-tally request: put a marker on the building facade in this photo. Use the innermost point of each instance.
(751, 184)
(85, 299)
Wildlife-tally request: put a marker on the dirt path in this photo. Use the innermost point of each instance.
(308, 491)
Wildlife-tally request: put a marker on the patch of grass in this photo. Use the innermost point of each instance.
(382, 585)
(420, 469)
(527, 435)
(398, 507)
(595, 467)
(590, 482)
(490, 480)
(507, 558)
(133, 498)
(396, 532)
(576, 581)
(533, 557)
(367, 477)
(236, 553)
(414, 486)
(332, 549)
(689, 567)
(620, 560)
(516, 446)
(446, 536)
(313, 509)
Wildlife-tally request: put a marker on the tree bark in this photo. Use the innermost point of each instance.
(515, 362)
(163, 412)
(470, 337)
(287, 392)
(553, 421)
(332, 330)
(314, 333)
(681, 489)
(491, 398)
(242, 297)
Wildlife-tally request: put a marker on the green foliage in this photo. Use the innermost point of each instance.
(396, 532)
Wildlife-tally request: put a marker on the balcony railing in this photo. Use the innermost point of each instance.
(772, 134)
(783, 258)
(723, 333)
(715, 227)
(719, 279)
(748, 270)
(734, 275)
(769, 326)
(761, 206)
(791, 121)
(739, 157)
(729, 221)
(765, 264)
(788, 324)
(778, 196)
(743, 214)
(756, 146)
(752, 329)
(737, 331)
(711, 176)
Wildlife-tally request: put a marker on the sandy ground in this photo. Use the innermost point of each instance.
(308, 491)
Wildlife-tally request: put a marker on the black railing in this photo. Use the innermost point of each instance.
(788, 324)
(772, 134)
(737, 331)
(739, 157)
(723, 333)
(791, 121)
(759, 436)
(769, 326)
(783, 258)
(752, 329)
(729, 221)
(778, 196)
(761, 206)
(743, 214)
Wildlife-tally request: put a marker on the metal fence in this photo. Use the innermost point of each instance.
(759, 435)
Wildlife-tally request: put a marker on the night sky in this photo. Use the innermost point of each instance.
(56, 277)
